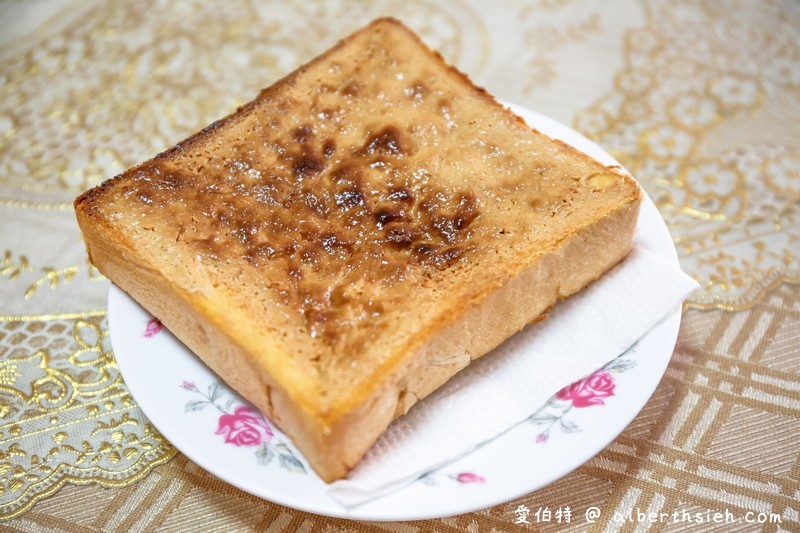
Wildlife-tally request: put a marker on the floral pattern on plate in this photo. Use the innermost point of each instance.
(464, 478)
(243, 426)
(153, 327)
(590, 391)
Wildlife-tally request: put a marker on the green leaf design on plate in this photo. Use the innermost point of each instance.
(195, 405)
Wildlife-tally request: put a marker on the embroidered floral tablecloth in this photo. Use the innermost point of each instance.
(699, 100)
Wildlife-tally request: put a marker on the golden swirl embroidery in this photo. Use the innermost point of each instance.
(544, 41)
(45, 388)
(59, 385)
(126, 80)
(52, 277)
(11, 268)
(705, 128)
(20, 269)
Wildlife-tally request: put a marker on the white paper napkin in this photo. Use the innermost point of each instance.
(521, 375)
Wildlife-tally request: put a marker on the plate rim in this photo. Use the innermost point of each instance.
(672, 322)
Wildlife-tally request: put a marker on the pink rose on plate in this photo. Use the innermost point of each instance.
(469, 477)
(153, 327)
(589, 391)
(244, 427)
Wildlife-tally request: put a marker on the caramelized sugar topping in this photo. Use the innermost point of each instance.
(321, 228)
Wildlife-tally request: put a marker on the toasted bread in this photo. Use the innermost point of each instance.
(343, 244)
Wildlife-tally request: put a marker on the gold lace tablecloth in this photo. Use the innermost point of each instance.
(700, 100)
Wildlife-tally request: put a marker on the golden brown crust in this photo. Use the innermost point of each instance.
(343, 244)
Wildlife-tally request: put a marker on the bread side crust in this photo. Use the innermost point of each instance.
(327, 448)
(195, 326)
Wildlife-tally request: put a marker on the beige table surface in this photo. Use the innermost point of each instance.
(699, 100)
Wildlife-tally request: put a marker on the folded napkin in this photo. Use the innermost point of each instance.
(581, 334)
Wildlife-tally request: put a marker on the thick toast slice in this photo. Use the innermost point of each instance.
(340, 246)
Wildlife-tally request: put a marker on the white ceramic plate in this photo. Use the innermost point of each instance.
(174, 389)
